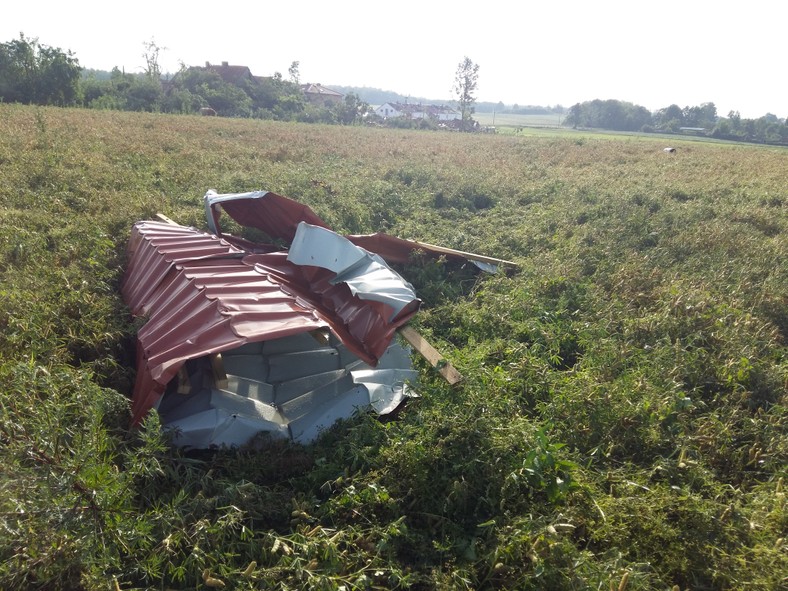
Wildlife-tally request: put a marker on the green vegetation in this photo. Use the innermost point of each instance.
(700, 120)
(516, 120)
(465, 81)
(623, 419)
(219, 88)
(32, 73)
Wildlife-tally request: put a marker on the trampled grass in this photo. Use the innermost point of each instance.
(622, 422)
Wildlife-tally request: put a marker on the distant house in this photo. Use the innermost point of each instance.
(230, 74)
(417, 111)
(317, 94)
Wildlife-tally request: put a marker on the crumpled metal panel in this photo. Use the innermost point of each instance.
(279, 217)
(365, 326)
(300, 388)
(156, 247)
(196, 308)
(203, 294)
(366, 274)
(275, 215)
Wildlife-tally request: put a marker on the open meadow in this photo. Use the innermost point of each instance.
(621, 425)
(516, 121)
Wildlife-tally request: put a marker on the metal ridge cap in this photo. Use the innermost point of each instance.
(213, 197)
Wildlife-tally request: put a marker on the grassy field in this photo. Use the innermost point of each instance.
(508, 120)
(622, 424)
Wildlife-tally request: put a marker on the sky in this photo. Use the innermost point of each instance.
(654, 54)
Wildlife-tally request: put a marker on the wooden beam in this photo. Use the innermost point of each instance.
(468, 255)
(433, 357)
(217, 368)
(164, 218)
(184, 383)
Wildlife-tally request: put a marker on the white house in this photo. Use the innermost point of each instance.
(411, 111)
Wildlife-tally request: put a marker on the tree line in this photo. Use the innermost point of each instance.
(34, 73)
(38, 74)
(699, 120)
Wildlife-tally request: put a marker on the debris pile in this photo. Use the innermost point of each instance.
(243, 338)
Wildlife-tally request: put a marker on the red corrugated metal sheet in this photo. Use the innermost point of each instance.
(199, 298)
(202, 295)
(275, 215)
(279, 217)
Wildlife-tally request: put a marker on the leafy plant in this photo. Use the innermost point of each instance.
(621, 421)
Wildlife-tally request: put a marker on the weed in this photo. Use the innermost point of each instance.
(621, 423)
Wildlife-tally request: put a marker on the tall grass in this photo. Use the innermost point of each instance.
(622, 421)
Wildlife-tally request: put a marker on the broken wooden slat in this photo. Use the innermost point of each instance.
(468, 255)
(320, 335)
(219, 375)
(164, 218)
(431, 354)
(184, 383)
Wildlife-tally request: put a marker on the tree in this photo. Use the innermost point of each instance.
(609, 114)
(704, 115)
(294, 73)
(151, 55)
(575, 116)
(143, 94)
(351, 110)
(38, 74)
(670, 118)
(17, 70)
(735, 119)
(722, 129)
(465, 81)
(122, 91)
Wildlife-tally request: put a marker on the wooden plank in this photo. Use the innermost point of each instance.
(164, 218)
(468, 255)
(320, 335)
(184, 383)
(217, 367)
(431, 354)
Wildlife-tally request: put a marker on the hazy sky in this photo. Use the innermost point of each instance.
(531, 53)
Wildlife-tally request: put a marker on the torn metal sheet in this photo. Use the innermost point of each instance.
(302, 345)
(278, 217)
(290, 387)
(275, 215)
(366, 274)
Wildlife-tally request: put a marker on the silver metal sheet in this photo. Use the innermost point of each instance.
(298, 364)
(220, 427)
(298, 390)
(309, 427)
(255, 389)
(366, 274)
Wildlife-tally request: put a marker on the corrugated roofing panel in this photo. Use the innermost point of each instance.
(275, 215)
(201, 296)
(195, 307)
(364, 326)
